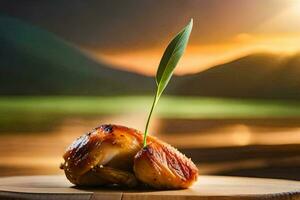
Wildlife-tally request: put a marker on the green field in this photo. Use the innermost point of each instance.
(19, 113)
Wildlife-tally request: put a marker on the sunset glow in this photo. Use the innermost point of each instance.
(86, 105)
(275, 30)
(200, 57)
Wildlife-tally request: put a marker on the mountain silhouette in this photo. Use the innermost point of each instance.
(261, 75)
(36, 62)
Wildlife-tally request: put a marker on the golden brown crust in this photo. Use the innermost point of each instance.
(162, 166)
(110, 145)
(109, 154)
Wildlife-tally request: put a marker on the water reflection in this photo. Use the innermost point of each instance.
(230, 132)
(231, 147)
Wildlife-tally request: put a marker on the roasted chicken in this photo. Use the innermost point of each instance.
(114, 155)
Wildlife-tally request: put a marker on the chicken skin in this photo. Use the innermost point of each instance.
(162, 166)
(114, 155)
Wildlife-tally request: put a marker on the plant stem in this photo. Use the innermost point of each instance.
(148, 120)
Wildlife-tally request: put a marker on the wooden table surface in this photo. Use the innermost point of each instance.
(208, 187)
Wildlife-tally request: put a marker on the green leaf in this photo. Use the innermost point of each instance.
(166, 67)
(171, 57)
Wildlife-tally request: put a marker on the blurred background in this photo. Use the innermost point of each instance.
(233, 105)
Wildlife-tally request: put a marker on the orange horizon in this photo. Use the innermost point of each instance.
(200, 57)
(215, 44)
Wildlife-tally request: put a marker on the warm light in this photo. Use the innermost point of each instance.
(288, 19)
(241, 135)
(280, 33)
(200, 57)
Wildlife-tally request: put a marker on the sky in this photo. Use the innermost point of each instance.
(133, 34)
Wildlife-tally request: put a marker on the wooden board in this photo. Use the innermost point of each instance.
(208, 187)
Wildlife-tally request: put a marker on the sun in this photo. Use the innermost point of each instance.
(288, 19)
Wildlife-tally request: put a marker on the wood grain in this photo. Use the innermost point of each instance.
(208, 187)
